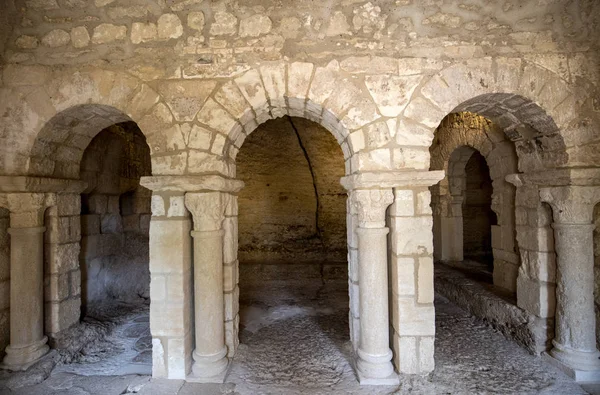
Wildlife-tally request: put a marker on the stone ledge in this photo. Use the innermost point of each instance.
(394, 179)
(191, 183)
(498, 308)
(19, 184)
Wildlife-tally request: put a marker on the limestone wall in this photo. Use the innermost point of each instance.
(4, 280)
(478, 216)
(67, 31)
(198, 78)
(292, 207)
(115, 216)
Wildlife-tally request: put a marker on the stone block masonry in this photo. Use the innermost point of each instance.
(400, 85)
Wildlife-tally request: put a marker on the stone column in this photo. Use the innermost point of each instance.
(575, 335)
(27, 340)
(210, 356)
(374, 362)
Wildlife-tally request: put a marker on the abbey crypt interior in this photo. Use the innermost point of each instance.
(299, 197)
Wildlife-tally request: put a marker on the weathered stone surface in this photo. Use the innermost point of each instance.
(102, 3)
(273, 77)
(299, 76)
(42, 4)
(56, 38)
(447, 20)
(224, 24)
(213, 115)
(289, 27)
(107, 33)
(338, 25)
(255, 26)
(195, 20)
(27, 42)
(143, 32)
(169, 26)
(25, 75)
(391, 94)
(185, 98)
(251, 86)
(370, 65)
(230, 97)
(80, 37)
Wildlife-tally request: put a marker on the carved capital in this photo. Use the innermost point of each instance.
(27, 209)
(207, 208)
(571, 204)
(371, 204)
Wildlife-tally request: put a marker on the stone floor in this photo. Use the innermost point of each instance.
(294, 340)
(127, 350)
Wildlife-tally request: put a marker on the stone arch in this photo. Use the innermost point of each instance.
(63, 110)
(324, 95)
(458, 136)
(531, 104)
(344, 105)
(59, 146)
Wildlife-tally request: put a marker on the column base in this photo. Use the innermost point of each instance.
(21, 358)
(375, 369)
(209, 368)
(216, 379)
(391, 380)
(576, 373)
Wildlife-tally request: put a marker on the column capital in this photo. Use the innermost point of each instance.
(27, 209)
(392, 179)
(207, 208)
(371, 204)
(191, 183)
(571, 204)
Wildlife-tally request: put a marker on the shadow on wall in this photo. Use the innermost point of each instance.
(293, 207)
(115, 216)
(4, 281)
(597, 271)
(478, 216)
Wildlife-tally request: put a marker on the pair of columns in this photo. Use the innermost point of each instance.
(374, 353)
(574, 344)
(27, 340)
(370, 195)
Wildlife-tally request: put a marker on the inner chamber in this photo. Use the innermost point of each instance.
(293, 254)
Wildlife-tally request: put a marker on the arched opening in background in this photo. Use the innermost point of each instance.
(478, 217)
(114, 255)
(292, 251)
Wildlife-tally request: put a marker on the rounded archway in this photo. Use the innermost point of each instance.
(97, 241)
(293, 270)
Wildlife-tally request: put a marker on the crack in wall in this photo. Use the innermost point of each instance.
(312, 174)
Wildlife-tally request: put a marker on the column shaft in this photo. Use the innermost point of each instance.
(575, 338)
(27, 340)
(208, 298)
(374, 354)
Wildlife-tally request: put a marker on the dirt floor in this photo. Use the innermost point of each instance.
(294, 340)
